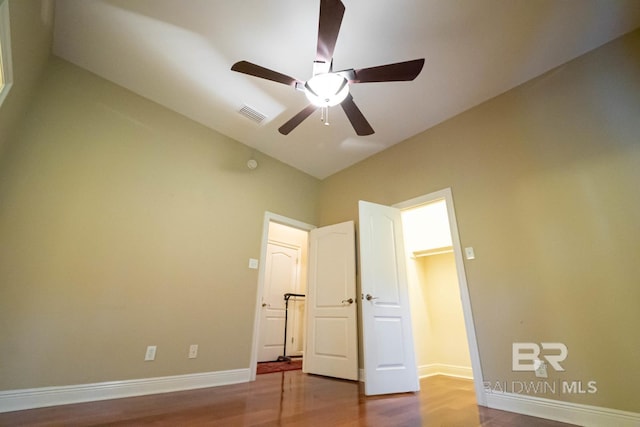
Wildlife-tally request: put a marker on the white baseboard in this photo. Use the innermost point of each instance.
(444, 369)
(573, 413)
(16, 400)
(436, 369)
(585, 415)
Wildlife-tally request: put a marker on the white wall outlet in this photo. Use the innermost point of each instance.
(193, 351)
(151, 353)
(253, 263)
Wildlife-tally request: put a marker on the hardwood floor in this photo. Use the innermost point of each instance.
(285, 399)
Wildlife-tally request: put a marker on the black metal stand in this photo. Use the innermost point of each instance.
(284, 357)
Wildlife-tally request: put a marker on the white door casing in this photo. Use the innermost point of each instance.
(281, 276)
(331, 338)
(389, 358)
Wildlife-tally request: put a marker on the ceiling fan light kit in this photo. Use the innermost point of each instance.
(327, 88)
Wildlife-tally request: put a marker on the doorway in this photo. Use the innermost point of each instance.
(283, 290)
(327, 332)
(444, 333)
(440, 338)
(282, 270)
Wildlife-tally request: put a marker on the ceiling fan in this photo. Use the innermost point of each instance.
(327, 88)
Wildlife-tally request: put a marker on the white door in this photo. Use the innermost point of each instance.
(389, 359)
(331, 338)
(281, 276)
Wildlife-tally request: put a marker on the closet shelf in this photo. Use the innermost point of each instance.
(433, 251)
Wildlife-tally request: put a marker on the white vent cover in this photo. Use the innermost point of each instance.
(252, 114)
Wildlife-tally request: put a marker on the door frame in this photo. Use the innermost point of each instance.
(268, 218)
(474, 354)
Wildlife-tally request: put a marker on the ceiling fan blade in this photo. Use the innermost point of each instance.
(297, 119)
(331, 13)
(357, 119)
(264, 73)
(400, 71)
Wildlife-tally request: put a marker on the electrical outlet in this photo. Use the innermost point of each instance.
(151, 353)
(193, 351)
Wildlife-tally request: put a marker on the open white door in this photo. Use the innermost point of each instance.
(332, 340)
(281, 276)
(389, 358)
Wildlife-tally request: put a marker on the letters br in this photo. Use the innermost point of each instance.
(525, 353)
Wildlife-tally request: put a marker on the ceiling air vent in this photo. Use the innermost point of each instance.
(251, 114)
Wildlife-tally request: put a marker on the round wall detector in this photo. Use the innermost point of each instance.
(252, 164)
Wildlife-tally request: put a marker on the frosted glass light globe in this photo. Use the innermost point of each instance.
(326, 90)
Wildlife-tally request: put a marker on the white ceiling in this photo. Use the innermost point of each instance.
(179, 53)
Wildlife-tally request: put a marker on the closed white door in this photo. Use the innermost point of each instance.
(281, 276)
(389, 359)
(331, 338)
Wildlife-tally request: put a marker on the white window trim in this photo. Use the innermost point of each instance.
(5, 43)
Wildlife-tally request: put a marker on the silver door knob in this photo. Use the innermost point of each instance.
(350, 300)
(369, 297)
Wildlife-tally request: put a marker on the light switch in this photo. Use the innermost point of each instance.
(468, 253)
(253, 263)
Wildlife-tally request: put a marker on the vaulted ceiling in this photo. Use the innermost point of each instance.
(179, 53)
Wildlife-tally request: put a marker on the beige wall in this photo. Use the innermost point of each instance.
(545, 185)
(125, 225)
(31, 46)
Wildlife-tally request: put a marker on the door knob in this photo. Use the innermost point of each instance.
(350, 300)
(264, 304)
(369, 297)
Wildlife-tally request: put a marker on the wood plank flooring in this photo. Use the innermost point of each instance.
(285, 399)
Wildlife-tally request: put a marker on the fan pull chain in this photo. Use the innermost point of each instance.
(324, 115)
